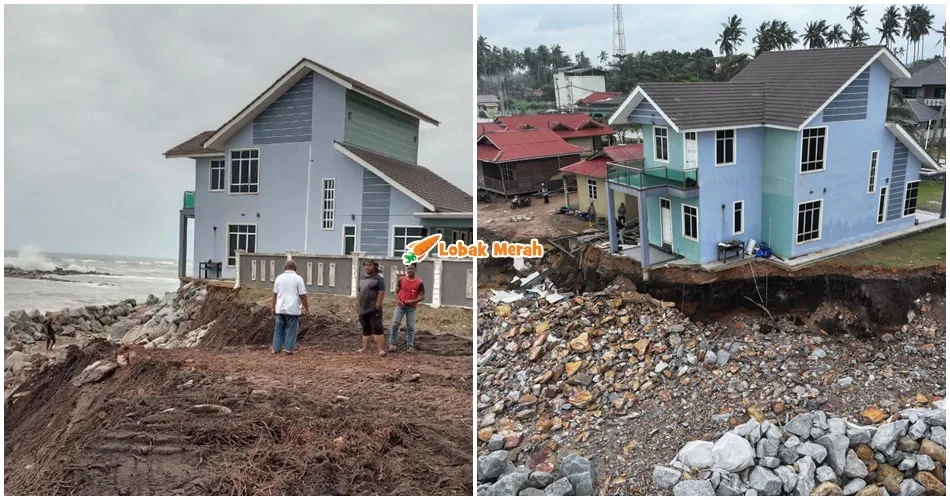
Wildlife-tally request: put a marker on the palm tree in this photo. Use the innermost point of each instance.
(856, 16)
(763, 39)
(897, 110)
(943, 39)
(836, 35)
(890, 27)
(732, 35)
(857, 37)
(925, 24)
(815, 33)
(782, 35)
(899, 51)
(603, 57)
(483, 51)
(910, 14)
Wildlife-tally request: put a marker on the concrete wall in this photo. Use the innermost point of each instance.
(600, 204)
(778, 189)
(583, 86)
(334, 275)
(675, 149)
(681, 245)
(378, 127)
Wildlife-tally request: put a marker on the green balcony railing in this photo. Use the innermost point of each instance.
(635, 174)
(188, 200)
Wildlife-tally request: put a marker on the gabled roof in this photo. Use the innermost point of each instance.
(511, 145)
(565, 125)
(286, 81)
(419, 183)
(934, 73)
(484, 128)
(926, 161)
(597, 97)
(784, 89)
(486, 98)
(922, 111)
(192, 148)
(596, 165)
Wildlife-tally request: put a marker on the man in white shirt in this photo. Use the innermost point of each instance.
(290, 294)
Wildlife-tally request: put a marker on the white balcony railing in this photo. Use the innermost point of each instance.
(931, 101)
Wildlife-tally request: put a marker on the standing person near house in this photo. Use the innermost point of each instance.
(544, 192)
(622, 214)
(369, 305)
(591, 215)
(410, 291)
(288, 302)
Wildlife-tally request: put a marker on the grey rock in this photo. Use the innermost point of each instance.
(765, 481)
(665, 477)
(574, 463)
(818, 353)
(817, 432)
(751, 493)
(745, 429)
(845, 382)
(560, 488)
(730, 485)
(939, 435)
(694, 488)
(722, 357)
(825, 473)
(793, 442)
(853, 466)
(837, 446)
(788, 476)
(788, 456)
(821, 420)
(800, 425)
(770, 462)
(531, 492)
(492, 465)
(816, 451)
(911, 488)
(925, 463)
(854, 486)
(509, 484)
(837, 426)
(806, 476)
(95, 372)
(859, 435)
(936, 417)
(483, 489)
(772, 431)
(582, 482)
(540, 480)
(888, 434)
(497, 442)
(908, 444)
(908, 463)
(918, 430)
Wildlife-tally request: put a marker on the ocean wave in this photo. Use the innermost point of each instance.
(30, 258)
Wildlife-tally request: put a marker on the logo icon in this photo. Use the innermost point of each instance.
(417, 251)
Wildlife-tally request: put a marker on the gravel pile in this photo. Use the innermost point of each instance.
(497, 476)
(816, 454)
(617, 375)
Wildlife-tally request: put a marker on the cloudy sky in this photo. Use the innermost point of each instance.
(657, 27)
(95, 95)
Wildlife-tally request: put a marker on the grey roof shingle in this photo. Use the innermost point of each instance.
(922, 111)
(445, 196)
(934, 73)
(779, 88)
(194, 146)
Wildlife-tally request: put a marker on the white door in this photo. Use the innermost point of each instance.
(666, 222)
(692, 156)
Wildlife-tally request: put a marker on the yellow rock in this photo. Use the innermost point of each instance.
(503, 311)
(933, 450)
(580, 397)
(484, 435)
(615, 303)
(932, 485)
(581, 343)
(571, 368)
(757, 414)
(922, 399)
(544, 424)
(534, 353)
(542, 327)
(874, 414)
(641, 346)
(869, 491)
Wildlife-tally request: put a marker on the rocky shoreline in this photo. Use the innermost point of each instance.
(158, 323)
(36, 274)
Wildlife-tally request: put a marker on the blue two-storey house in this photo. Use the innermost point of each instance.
(794, 151)
(318, 163)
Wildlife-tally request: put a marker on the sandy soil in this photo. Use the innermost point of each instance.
(545, 222)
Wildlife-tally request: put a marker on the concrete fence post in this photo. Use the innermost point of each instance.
(237, 269)
(436, 283)
(354, 275)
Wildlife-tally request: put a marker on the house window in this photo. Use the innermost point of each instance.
(873, 176)
(725, 147)
(241, 238)
(244, 171)
(738, 217)
(813, 149)
(592, 189)
(349, 240)
(661, 144)
(690, 222)
(809, 221)
(461, 236)
(329, 203)
(909, 92)
(882, 205)
(507, 173)
(217, 175)
(910, 198)
(403, 235)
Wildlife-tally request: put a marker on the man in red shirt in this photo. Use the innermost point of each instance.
(410, 291)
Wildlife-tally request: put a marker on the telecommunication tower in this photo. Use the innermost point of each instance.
(620, 39)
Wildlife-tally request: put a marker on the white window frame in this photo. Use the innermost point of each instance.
(656, 150)
(882, 207)
(741, 217)
(821, 219)
(592, 188)
(227, 242)
(392, 242)
(507, 169)
(696, 138)
(735, 149)
(231, 182)
(224, 177)
(916, 199)
(355, 239)
(873, 166)
(824, 151)
(328, 215)
(683, 220)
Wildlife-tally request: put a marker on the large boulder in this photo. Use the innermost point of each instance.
(95, 372)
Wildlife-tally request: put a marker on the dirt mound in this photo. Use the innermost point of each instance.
(314, 423)
(233, 322)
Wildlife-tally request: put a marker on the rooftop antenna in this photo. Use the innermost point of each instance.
(620, 39)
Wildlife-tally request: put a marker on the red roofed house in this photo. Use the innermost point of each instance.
(577, 128)
(591, 174)
(597, 97)
(513, 162)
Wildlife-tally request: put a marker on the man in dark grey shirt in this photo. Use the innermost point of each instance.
(369, 305)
